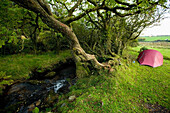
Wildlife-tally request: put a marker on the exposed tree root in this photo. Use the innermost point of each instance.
(82, 56)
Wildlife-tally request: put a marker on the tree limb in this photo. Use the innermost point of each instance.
(63, 4)
(125, 3)
(70, 12)
(45, 6)
(91, 20)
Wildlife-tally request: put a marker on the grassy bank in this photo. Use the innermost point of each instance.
(19, 65)
(127, 90)
(130, 89)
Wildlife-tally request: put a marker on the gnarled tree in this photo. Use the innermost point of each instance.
(61, 24)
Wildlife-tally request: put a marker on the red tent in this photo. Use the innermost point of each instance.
(150, 57)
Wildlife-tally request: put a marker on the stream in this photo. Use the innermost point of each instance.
(41, 90)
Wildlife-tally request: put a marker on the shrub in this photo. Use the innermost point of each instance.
(134, 43)
(142, 49)
(141, 39)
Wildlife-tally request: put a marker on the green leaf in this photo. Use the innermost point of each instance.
(10, 40)
(39, 71)
(7, 77)
(2, 42)
(35, 110)
(2, 74)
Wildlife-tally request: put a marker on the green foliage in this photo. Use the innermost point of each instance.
(141, 39)
(133, 43)
(142, 49)
(10, 15)
(48, 109)
(4, 80)
(50, 40)
(35, 110)
(16, 21)
(2, 43)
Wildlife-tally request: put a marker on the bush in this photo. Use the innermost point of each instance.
(134, 43)
(141, 39)
(142, 49)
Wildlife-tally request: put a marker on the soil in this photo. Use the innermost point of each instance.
(156, 108)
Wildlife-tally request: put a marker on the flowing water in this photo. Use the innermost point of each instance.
(24, 96)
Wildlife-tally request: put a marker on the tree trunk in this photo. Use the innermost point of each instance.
(78, 53)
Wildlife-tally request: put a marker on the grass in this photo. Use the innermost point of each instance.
(125, 90)
(19, 65)
(128, 89)
(153, 38)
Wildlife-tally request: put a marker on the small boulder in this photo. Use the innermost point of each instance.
(72, 98)
(37, 103)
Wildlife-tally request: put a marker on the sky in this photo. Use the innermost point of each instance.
(162, 29)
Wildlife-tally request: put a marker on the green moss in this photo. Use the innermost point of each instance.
(50, 74)
(35, 110)
(81, 71)
(36, 82)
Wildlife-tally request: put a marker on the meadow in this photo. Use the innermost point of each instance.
(129, 88)
(154, 38)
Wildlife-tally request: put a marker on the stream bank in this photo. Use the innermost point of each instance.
(41, 90)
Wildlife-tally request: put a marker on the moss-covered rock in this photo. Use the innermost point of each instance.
(50, 74)
(36, 82)
(81, 70)
(40, 73)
